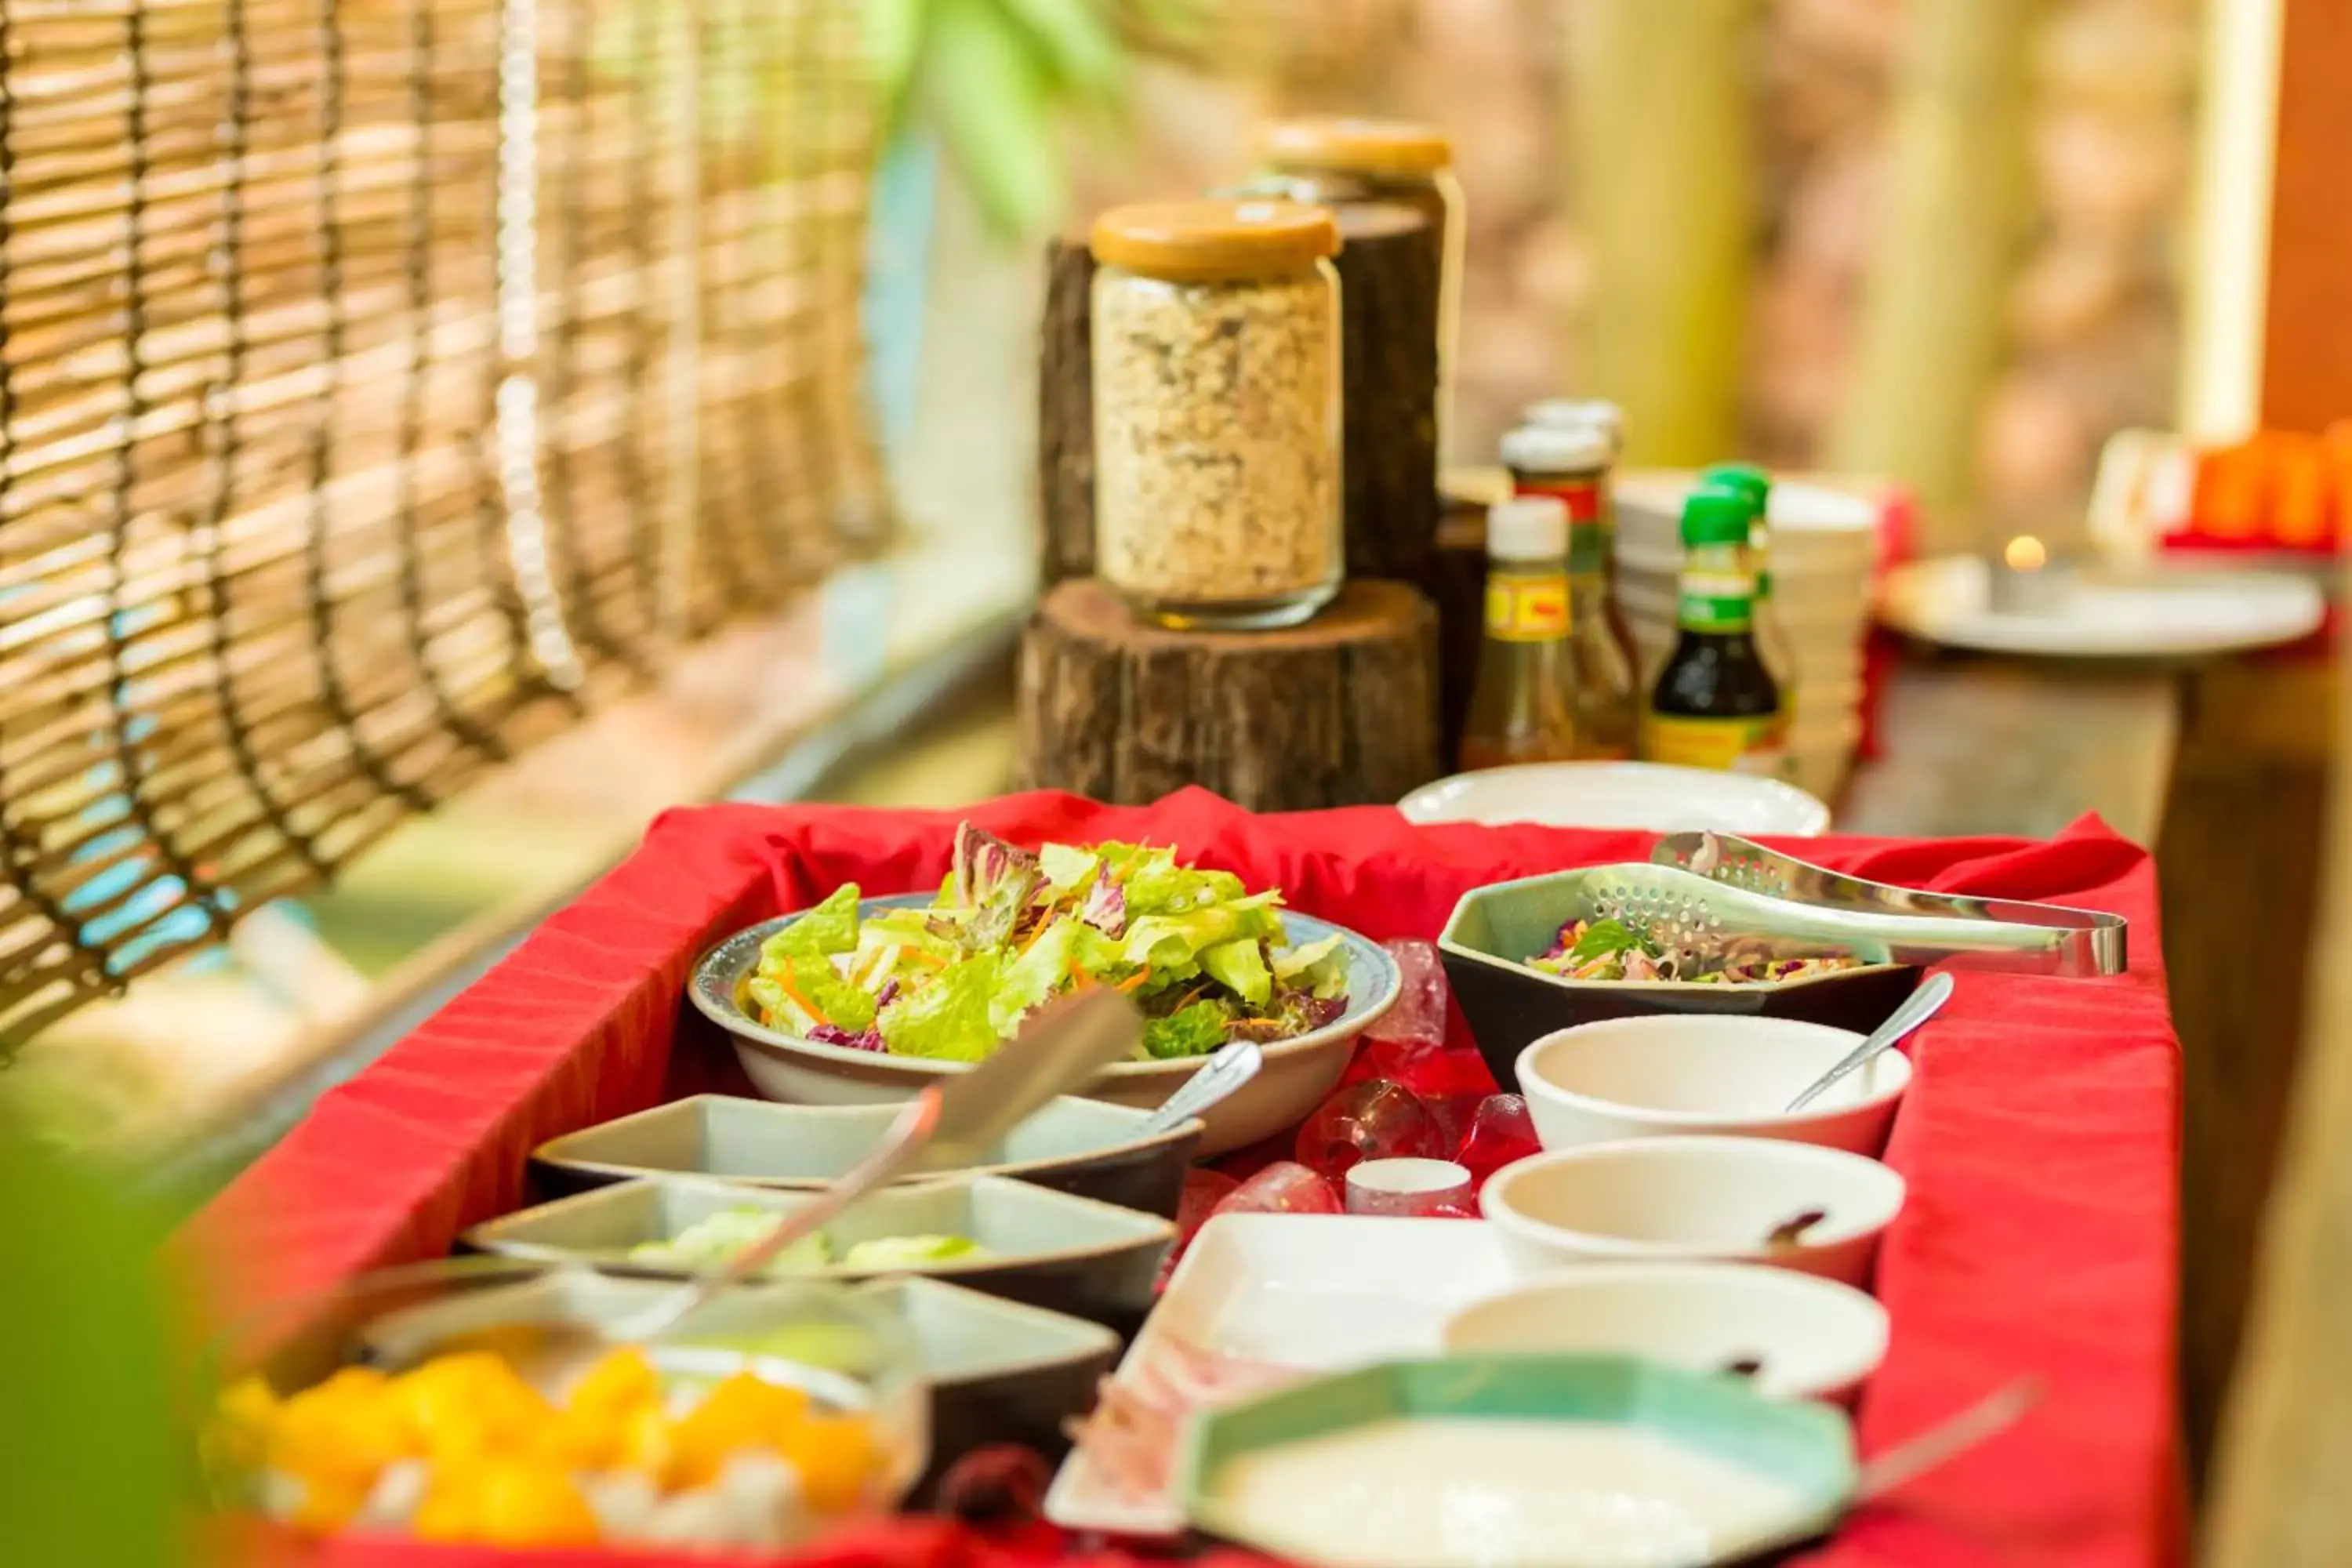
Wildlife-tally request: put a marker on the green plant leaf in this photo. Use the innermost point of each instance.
(1075, 44)
(894, 38)
(993, 106)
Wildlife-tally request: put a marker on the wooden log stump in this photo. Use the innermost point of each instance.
(1390, 267)
(1391, 260)
(1340, 712)
(1066, 411)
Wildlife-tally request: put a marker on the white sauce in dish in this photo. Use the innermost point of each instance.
(1477, 1493)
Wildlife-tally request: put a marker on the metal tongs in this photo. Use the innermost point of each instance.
(2075, 942)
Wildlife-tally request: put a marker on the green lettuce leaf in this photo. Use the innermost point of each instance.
(1240, 968)
(1192, 1031)
(831, 927)
(948, 1019)
(1164, 941)
(835, 999)
(1068, 871)
(1318, 966)
(1156, 884)
(1044, 966)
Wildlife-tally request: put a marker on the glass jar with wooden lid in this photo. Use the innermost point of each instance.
(1339, 160)
(1217, 380)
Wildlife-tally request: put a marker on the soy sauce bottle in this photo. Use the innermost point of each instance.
(1715, 704)
(1751, 485)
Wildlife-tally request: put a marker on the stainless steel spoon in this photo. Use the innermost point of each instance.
(950, 1122)
(1917, 1009)
(1223, 1073)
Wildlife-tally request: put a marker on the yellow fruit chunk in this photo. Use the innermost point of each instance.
(743, 1411)
(452, 1508)
(243, 1420)
(342, 1431)
(584, 1440)
(328, 1502)
(621, 1383)
(836, 1458)
(462, 1406)
(527, 1504)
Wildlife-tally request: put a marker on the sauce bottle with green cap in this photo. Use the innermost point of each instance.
(1753, 485)
(1715, 704)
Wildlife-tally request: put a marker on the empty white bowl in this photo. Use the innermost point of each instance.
(1679, 1074)
(1816, 1338)
(1700, 1197)
(1648, 796)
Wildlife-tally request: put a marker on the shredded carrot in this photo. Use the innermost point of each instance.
(1132, 981)
(805, 1005)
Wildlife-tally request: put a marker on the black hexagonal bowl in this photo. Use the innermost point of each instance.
(1495, 930)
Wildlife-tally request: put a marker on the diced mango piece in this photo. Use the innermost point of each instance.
(836, 1458)
(621, 1383)
(525, 1504)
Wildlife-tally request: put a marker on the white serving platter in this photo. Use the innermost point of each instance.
(2159, 613)
(1315, 1292)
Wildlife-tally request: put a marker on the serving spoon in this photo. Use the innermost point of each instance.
(1231, 1067)
(1917, 1009)
(950, 1122)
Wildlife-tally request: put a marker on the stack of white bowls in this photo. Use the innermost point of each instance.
(1824, 553)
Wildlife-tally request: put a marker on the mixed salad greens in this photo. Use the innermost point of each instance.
(1207, 960)
(1610, 950)
(716, 1238)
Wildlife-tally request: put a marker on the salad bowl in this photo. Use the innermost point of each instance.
(1496, 929)
(1298, 1071)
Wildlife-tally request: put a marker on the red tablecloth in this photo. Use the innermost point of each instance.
(2040, 1138)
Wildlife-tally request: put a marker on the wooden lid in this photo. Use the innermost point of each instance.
(1347, 145)
(1207, 239)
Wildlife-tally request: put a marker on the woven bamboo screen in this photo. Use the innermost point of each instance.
(381, 381)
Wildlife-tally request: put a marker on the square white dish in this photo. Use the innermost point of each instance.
(1314, 1292)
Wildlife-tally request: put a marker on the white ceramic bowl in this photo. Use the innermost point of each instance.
(1677, 1074)
(1817, 1339)
(1698, 1197)
(1296, 1074)
(1644, 796)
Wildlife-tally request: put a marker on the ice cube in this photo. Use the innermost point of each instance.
(1500, 1133)
(1282, 1188)
(1419, 1015)
(1204, 1190)
(1373, 1120)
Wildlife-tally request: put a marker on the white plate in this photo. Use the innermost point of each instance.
(1317, 1292)
(2155, 615)
(1647, 796)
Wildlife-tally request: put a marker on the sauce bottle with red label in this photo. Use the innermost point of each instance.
(1519, 709)
(1571, 462)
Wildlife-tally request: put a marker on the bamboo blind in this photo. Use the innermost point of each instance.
(381, 382)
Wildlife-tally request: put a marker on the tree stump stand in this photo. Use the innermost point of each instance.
(1340, 712)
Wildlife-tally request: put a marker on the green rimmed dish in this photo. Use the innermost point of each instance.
(1496, 929)
(1793, 1464)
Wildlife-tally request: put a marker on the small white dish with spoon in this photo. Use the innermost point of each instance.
(1677, 1074)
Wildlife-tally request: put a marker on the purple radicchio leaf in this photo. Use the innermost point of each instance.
(866, 1039)
(1105, 908)
(995, 880)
